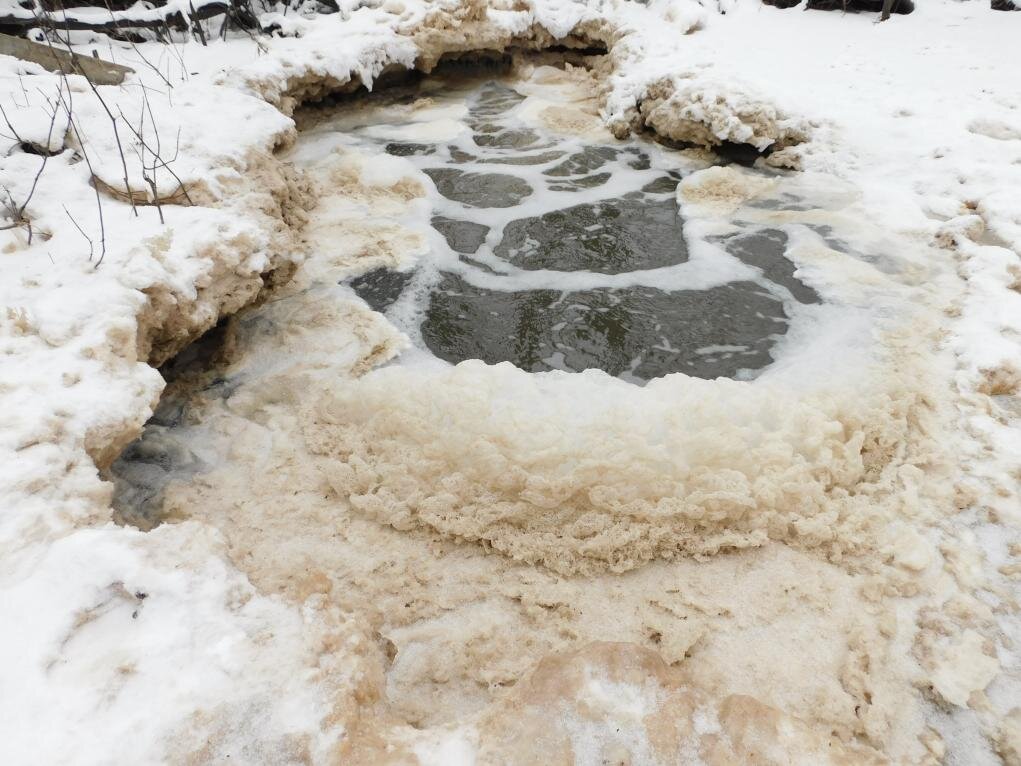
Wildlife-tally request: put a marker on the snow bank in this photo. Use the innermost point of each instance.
(95, 293)
(640, 87)
(708, 114)
(154, 645)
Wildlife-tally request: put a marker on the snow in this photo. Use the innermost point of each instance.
(964, 668)
(150, 630)
(155, 647)
(210, 150)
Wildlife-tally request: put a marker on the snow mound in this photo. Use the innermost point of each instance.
(709, 114)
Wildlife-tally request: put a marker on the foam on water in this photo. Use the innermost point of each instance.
(606, 277)
(479, 517)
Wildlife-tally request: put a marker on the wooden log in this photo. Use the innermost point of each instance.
(121, 23)
(56, 59)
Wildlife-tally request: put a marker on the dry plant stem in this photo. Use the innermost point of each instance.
(117, 138)
(11, 207)
(18, 212)
(150, 179)
(171, 54)
(196, 23)
(81, 231)
(138, 52)
(113, 120)
(166, 36)
(24, 90)
(46, 155)
(73, 124)
(158, 161)
(179, 55)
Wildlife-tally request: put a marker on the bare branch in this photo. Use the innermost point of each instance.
(73, 123)
(116, 133)
(145, 61)
(159, 161)
(82, 232)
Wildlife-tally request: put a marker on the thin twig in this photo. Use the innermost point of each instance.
(113, 122)
(67, 104)
(137, 51)
(88, 239)
(162, 163)
(17, 212)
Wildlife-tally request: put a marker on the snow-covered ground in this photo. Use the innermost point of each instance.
(185, 644)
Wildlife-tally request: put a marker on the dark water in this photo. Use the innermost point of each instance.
(646, 327)
(637, 332)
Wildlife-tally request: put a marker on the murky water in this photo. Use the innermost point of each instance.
(558, 252)
(551, 249)
(476, 518)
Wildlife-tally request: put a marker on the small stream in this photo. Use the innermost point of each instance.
(548, 248)
(534, 387)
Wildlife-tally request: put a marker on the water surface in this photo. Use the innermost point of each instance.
(554, 252)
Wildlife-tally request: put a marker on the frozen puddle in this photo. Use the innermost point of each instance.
(555, 251)
(360, 438)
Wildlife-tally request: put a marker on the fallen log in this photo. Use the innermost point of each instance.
(124, 23)
(58, 60)
(886, 7)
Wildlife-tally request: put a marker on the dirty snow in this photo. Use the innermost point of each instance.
(123, 646)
